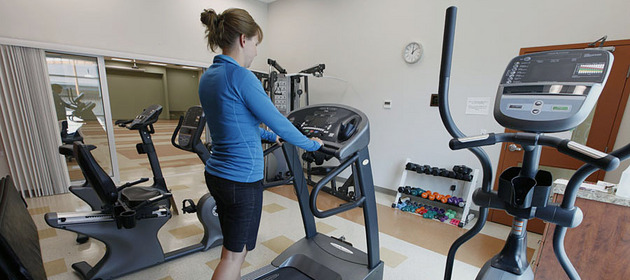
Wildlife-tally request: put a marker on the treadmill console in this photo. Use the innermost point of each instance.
(342, 129)
(147, 117)
(551, 91)
(191, 128)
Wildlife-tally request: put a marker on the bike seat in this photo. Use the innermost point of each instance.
(133, 196)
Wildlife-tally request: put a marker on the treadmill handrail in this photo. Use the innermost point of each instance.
(271, 149)
(573, 149)
(329, 177)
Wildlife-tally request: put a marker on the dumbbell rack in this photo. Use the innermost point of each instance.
(465, 192)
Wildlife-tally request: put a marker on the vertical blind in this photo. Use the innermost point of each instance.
(28, 125)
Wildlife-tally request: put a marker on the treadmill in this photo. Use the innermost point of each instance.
(345, 133)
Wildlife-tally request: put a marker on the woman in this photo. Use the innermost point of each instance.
(235, 104)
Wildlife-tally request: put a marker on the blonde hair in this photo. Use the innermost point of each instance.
(223, 29)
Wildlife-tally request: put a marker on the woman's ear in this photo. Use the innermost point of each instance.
(241, 40)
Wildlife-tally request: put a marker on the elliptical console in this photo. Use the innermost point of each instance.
(551, 91)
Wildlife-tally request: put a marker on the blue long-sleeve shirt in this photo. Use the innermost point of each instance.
(235, 104)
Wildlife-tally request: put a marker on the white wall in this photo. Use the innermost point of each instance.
(361, 42)
(159, 28)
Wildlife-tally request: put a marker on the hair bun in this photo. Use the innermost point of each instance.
(207, 16)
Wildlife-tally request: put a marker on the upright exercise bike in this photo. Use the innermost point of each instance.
(143, 123)
(131, 217)
(539, 93)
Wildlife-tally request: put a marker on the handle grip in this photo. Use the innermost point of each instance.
(472, 141)
(589, 155)
(573, 149)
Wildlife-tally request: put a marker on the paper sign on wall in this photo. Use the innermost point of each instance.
(478, 106)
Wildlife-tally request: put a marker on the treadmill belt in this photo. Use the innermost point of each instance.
(285, 273)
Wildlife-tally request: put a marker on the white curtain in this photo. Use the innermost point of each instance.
(28, 125)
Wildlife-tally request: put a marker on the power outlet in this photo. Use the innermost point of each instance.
(434, 100)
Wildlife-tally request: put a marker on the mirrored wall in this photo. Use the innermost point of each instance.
(80, 104)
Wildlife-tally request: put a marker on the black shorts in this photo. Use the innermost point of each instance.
(239, 206)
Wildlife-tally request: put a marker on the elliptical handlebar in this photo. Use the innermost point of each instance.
(573, 149)
(447, 120)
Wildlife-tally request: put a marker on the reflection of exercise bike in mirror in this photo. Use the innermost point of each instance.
(143, 123)
(132, 216)
(539, 93)
(79, 111)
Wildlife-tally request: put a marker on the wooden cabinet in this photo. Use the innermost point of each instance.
(599, 248)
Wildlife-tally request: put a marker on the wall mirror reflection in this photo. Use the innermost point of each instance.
(78, 98)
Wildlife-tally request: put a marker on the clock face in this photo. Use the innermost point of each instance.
(412, 52)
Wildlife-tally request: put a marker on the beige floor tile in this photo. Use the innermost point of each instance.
(186, 231)
(47, 233)
(177, 187)
(278, 244)
(324, 227)
(391, 258)
(38, 210)
(55, 267)
(214, 263)
(273, 208)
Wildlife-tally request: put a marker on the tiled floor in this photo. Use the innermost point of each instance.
(410, 247)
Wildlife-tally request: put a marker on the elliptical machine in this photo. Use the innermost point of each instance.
(539, 93)
(131, 217)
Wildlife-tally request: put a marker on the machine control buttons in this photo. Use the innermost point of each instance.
(536, 111)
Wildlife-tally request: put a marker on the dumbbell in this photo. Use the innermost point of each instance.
(443, 172)
(435, 171)
(420, 168)
(462, 169)
(411, 166)
(427, 169)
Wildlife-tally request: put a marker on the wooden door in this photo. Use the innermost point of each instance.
(599, 131)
